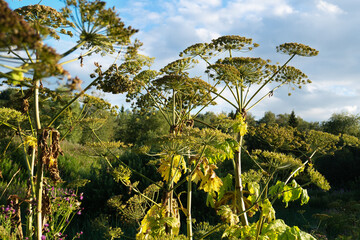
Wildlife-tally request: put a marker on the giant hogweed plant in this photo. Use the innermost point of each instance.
(174, 94)
(245, 78)
(289, 153)
(26, 62)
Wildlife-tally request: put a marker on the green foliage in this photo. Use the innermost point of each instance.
(269, 118)
(164, 103)
(276, 229)
(318, 179)
(293, 121)
(341, 123)
(289, 192)
(276, 161)
(341, 220)
(139, 129)
(7, 231)
(12, 179)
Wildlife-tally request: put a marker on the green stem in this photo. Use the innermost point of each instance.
(189, 202)
(174, 108)
(206, 124)
(75, 59)
(267, 94)
(224, 98)
(8, 125)
(13, 68)
(259, 226)
(159, 108)
(12, 178)
(266, 82)
(8, 145)
(73, 49)
(254, 204)
(192, 172)
(293, 173)
(28, 54)
(81, 115)
(238, 182)
(40, 167)
(212, 231)
(71, 102)
(247, 93)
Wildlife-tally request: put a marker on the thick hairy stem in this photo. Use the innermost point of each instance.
(171, 206)
(189, 202)
(238, 183)
(39, 187)
(29, 223)
(36, 106)
(40, 167)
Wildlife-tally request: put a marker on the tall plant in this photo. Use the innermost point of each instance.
(27, 62)
(241, 80)
(174, 94)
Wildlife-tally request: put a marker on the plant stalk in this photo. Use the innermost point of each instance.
(189, 202)
(238, 183)
(40, 167)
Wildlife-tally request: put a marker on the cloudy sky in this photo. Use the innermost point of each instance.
(166, 27)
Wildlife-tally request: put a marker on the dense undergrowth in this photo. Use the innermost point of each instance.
(329, 215)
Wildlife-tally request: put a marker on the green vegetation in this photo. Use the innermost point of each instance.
(73, 166)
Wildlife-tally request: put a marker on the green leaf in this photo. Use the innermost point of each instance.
(268, 209)
(306, 236)
(277, 225)
(240, 125)
(290, 234)
(254, 188)
(289, 193)
(292, 193)
(277, 188)
(226, 213)
(227, 184)
(17, 75)
(304, 197)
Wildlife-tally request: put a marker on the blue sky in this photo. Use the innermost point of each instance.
(166, 27)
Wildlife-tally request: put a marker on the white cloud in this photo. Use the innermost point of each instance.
(323, 114)
(317, 113)
(181, 23)
(260, 7)
(205, 35)
(351, 109)
(283, 10)
(328, 7)
(169, 26)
